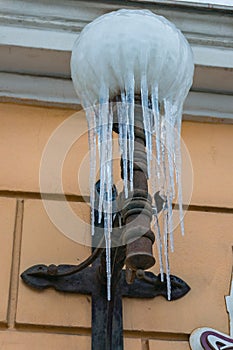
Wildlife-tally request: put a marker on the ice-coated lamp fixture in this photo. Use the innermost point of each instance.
(132, 71)
(128, 57)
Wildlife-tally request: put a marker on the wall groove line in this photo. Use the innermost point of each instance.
(13, 293)
(86, 199)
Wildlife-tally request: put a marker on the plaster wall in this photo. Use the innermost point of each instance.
(50, 320)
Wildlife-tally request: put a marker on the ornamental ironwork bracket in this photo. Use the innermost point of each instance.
(107, 324)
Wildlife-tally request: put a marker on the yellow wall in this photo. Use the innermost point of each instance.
(203, 258)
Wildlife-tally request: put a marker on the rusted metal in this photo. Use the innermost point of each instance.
(137, 208)
(146, 285)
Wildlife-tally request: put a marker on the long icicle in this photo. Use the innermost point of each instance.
(108, 209)
(166, 249)
(146, 121)
(165, 196)
(92, 147)
(178, 162)
(124, 151)
(155, 175)
(169, 138)
(105, 197)
(130, 109)
(102, 137)
(156, 113)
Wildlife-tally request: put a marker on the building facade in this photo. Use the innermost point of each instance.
(36, 98)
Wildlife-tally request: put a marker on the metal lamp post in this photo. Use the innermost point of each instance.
(149, 101)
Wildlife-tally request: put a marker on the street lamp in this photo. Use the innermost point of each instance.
(132, 70)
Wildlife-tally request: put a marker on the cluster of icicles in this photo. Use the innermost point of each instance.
(162, 133)
(97, 82)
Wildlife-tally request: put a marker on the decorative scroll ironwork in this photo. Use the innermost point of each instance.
(107, 326)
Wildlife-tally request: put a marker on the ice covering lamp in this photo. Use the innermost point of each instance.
(132, 71)
(129, 57)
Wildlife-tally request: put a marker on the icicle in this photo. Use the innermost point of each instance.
(156, 142)
(170, 222)
(130, 109)
(102, 138)
(163, 189)
(165, 195)
(155, 109)
(146, 121)
(155, 184)
(169, 120)
(166, 251)
(178, 163)
(153, 181)
(105, 116)
(108, 200)
(107, 235)
(108, 227)
(123, 117)
(92, 146)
